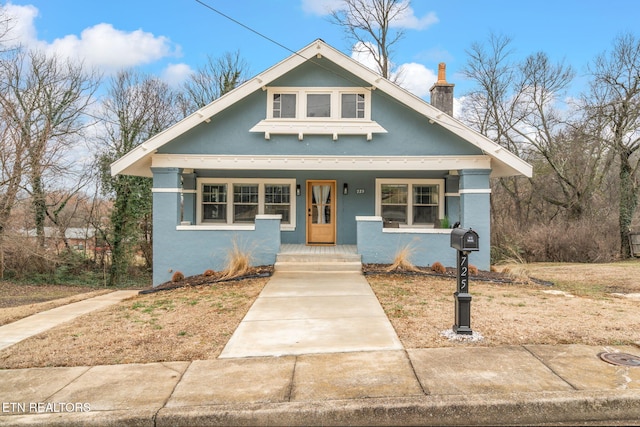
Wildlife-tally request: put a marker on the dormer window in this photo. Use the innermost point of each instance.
(319, 103)
(331, 111)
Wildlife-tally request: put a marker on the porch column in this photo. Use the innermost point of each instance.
(475, 211)
(166, 190)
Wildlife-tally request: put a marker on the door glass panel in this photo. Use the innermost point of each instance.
(321, 204)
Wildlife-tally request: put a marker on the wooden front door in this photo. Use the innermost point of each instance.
(321, 212)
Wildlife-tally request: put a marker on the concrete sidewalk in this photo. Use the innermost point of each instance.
(329, 312)
(15, 332)
(462, 385)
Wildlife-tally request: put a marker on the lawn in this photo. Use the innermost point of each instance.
(589, 303)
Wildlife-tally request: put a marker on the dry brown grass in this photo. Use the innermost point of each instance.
(504, 314)
(196, 322)
(18, 301)
(181, 324)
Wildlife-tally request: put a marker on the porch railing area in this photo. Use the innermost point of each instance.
(424, 246)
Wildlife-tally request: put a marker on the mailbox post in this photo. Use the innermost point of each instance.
(464, 241)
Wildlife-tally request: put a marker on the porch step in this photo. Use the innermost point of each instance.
(318, 262)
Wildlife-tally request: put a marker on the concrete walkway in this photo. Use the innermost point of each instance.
(15, 332)
(306, 313)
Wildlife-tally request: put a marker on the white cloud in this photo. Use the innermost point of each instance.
(110, 49)
(321, 7)
(416, 78)
(175, 74)
(101, 45)
(407, 19)
(363, 55)
(22, 31)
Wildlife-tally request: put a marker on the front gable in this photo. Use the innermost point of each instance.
(239, 130)
(235, 130)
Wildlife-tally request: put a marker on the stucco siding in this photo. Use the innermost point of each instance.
(409, 133)
(379, 245)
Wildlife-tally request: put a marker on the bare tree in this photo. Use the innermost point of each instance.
(368, 26)
(43, 100)
(217, 77)
(519, 104)
(136, 108)
(491, 106)
(613, 105)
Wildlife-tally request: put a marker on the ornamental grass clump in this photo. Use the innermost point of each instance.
(177, 277)
(238, 262)
(402, 262)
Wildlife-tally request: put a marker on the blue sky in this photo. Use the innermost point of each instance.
(171, 37)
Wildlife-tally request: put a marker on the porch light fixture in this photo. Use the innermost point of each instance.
(298, 190)
(345, 189)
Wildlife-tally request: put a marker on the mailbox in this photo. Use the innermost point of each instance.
(464, 240)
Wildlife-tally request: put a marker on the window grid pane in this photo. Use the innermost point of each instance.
(425, 194)
(245, 202)
(394, 202)
(284, 105)
(394, 194)
(318, 105)
(277, 201)
(352, 106)
(425, 204)
(214, 203)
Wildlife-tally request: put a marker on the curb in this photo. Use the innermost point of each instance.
(619, 407)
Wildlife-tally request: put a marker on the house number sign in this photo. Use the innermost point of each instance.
(464, 241)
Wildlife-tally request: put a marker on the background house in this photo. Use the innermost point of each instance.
(318, 150)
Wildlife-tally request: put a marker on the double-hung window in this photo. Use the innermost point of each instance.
(229, 201)
(410, 202)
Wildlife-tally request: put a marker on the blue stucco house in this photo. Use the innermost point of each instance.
(318, 150)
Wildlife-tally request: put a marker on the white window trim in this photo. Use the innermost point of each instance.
(302, 125)
(336, 102)
(410, 183)
(229, 182)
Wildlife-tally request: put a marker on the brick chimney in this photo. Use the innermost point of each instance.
(442, 92)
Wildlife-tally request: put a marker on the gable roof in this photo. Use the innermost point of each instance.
(138, 161)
